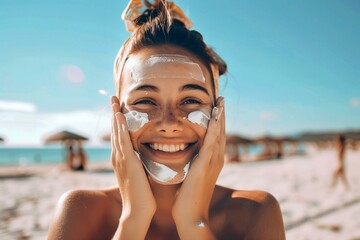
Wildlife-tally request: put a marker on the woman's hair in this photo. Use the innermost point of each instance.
(157, 26)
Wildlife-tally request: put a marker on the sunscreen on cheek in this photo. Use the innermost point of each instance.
(136, 120)
(200, 118)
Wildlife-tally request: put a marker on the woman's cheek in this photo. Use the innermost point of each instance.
(136, 120)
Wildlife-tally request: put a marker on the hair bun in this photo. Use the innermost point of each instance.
(139, 12)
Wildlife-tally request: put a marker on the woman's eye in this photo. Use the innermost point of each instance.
(191, 101)
(144, 102)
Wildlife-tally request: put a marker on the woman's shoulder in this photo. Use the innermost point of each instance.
(254, 200)
(85, 214)
(80, 200)
(251, 214)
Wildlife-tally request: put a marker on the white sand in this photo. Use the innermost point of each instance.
(311, 209)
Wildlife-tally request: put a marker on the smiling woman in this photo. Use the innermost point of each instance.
(168, 144)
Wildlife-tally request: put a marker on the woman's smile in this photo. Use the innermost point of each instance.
(168, 147)
(172, 154)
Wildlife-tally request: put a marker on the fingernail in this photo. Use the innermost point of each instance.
(215, 113)
(112, 99)
(221, 102)
(113, 107)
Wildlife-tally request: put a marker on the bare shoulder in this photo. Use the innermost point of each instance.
(250, 214)
(86, 214)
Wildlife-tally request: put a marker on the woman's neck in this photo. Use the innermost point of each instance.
(165, 196)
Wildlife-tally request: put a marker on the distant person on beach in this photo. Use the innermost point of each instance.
(340, 171)
(168, 144)
(76, 160)
(70, 155)
(81, 155)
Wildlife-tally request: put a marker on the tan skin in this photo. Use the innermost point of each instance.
(138, 207)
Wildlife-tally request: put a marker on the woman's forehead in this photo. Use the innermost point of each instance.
(165, 63)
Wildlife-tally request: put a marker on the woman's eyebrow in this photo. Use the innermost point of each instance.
(194, 87)
(146, 87)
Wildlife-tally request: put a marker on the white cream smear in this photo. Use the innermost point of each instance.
(162, 174)
(136, 120)
(162, 67)
(199, 117)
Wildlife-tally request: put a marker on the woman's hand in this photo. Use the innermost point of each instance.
(138, 203)
(191, 207)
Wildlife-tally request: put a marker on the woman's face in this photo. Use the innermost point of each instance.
(171, 89)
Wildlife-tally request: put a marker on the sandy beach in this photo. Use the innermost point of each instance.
(311, 209)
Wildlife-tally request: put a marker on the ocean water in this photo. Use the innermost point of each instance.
(50, 154)
(41, 155)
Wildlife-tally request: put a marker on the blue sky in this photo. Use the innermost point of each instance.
(293, 65)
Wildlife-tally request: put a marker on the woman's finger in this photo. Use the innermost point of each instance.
(125, 141)
(113, 123)
(207, 150)
(222, 133)
(115, 134)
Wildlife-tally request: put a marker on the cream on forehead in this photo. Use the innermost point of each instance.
(164, 66)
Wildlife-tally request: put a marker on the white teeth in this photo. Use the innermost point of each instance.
(168, 148)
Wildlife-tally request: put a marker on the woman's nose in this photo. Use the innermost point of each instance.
(170, 121)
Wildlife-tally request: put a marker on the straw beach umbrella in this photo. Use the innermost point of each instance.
(353, 137)
(237, 139)
(63, 136)
(67, 138)
(292, 144)
(265, 139)
(233, 142)
(321, 140)
(326, 138)
(273, 147)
